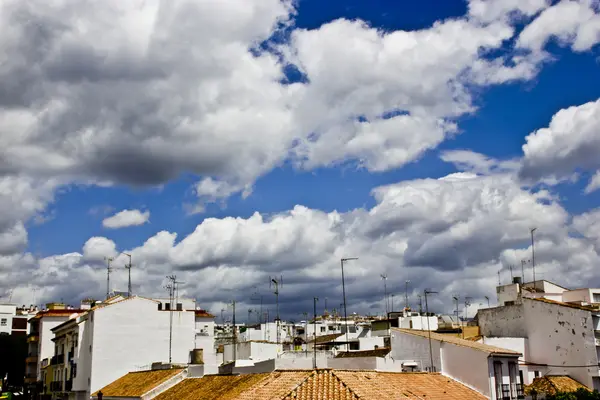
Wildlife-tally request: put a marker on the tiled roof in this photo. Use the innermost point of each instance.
(211, 387)
(325, 338)
(459, 342)
(277, 385)
(327, 384)
(135, 384)
(364, 353)
(56, 313)
(203, 314)
(552, 384)
(372, 385)
(560, 303)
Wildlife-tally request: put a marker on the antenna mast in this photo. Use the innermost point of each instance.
(385, 299)
(276, 292)
(128, 267)
(108, 271)
(170, 288)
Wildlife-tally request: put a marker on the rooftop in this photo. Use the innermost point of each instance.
(459, 342)
(211, 387)
(203, 314)
(560, 303)
(136, 384)
(552, 384)
(325, 338)
(365, 353)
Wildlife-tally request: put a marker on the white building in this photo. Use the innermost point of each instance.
(40, 345)
(13, 319)
(555, 337)
(99, 345)
(490, 370)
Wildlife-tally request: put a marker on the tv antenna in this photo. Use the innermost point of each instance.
(277, 283)
(108, 271)
(257, 296)
(385, 299)
(128, 267)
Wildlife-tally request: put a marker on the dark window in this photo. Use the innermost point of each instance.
(354, 346)
(536, 374)
(179, 307)
(159, 306)
(3, 322)
(19, 323)
(168, 306)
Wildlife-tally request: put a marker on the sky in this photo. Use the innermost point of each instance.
(233, 141)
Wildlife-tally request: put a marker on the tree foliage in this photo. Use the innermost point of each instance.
(580, 394)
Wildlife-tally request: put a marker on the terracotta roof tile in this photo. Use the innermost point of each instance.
(322, 385)
(212, 387)
(403, 385)
(458, 341)
(560, 303)
(326, 338)
(203, 313)
(135, 384)
(276, 386)
(552, 384)
(365, 353)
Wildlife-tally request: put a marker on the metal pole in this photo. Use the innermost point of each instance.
(533, 255)
(457, 314)
(234, 335)
(171, 289)
(426, 292)
(344, 294)
(108, 270)
(392, 307)
(523, 271)
(406, 293)
(315, 299)
(306, 334)
(488, 301)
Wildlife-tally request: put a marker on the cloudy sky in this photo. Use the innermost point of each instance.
(230, 141)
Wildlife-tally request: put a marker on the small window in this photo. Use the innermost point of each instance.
(331, 328)
(159, 306)
(90, 348)
(536, 374)
(179, 307)
(322, 329)
(168, 306)
(3, 322)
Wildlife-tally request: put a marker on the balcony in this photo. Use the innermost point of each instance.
(56, 360)
(32, 359)
(33, 337)
(56, 386)
(68, 385)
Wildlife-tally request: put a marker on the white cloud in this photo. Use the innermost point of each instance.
(492, 10)
(594, 183)
(126, 218)
(571, 141)
(478, 163)
(451, 234)
(573, 23)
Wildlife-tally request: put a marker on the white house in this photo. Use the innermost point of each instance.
(555, 337)
(490, 370)
(109, 340)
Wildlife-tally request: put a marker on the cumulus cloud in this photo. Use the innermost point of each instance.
(594, 183)
(452, 234)
(126, 218)
(570, 142)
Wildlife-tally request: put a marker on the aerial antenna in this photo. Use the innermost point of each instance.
(170, 287)
(128, 267)
(426, 292)
(384, 278)
(108, 271)
(257, 296)
(277, 284)
(511, 273)
(467, 304)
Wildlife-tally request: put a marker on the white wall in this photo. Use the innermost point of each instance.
(407, 347)
(46, 349)
(365, 363)
(507, 293)
(419, 323)
(205, 340)
(369, 343)
(466, 365)
(133, 333)
(7, 311)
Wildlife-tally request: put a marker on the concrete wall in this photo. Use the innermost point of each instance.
(366, 363)
(369, 343)
(302, 362)
(407, 347)
(507, 321)
(507, 293)
(205, 339)
(466, 365)
(510, 343)
(418, 322)
(46, 349)
(133, 333)
(7, 311)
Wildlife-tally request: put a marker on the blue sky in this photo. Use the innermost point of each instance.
(89, 185)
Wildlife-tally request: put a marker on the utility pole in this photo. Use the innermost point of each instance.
(315, 299)
(467, 304)
(234, 334)
(306, 334)
(342, 261)
(384, 278)
(406, 293)
(426, 292)
(128, 267)
(499, 282)
(457, 314)
(108, 271)
(533, 255)
(523, 271)
(392, 306)
(421, 310)
(511, 274)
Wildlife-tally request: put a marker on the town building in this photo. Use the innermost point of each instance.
(96, 346)
(556, 330)
(13, 319)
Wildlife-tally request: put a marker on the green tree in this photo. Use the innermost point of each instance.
(580, 394)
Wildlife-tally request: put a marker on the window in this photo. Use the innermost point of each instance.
(159, 306)
(167, 306)
(596, 298)
(331, 328)
(322, 329)
(536, 374)
(3, 322)
(179, 307)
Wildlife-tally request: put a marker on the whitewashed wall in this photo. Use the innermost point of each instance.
(467, 365)
(132, 333)
(407, 347)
